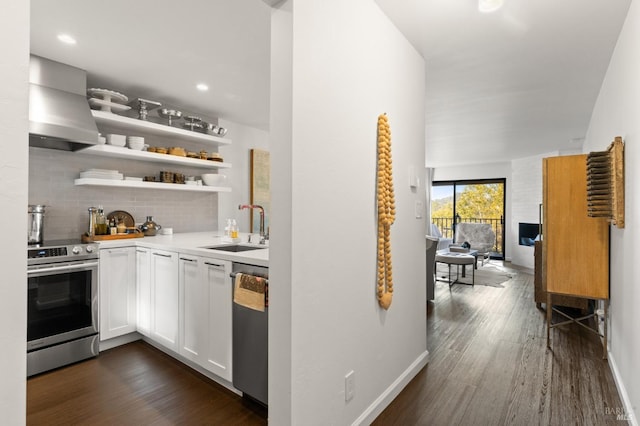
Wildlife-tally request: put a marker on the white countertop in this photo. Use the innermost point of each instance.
(194, 243)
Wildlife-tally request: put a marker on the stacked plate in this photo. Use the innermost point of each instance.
(135, 142)
(101, 174)
(107, 100)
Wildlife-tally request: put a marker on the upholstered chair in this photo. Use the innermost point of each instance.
(480, 235)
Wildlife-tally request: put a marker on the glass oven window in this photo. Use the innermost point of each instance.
(58, 303)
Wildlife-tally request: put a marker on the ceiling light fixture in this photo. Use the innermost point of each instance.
(488, 6)
(202, 87)
(67, 39)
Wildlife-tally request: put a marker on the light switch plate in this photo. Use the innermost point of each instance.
(418, 209)
(414, 182)
(349, 385)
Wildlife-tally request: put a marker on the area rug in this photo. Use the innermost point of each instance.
(489, 275)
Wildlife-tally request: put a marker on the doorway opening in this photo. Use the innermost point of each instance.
(474, 201)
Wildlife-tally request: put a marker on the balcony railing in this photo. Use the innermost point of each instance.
(446, 226)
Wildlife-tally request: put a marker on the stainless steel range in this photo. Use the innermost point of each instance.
(62, 308)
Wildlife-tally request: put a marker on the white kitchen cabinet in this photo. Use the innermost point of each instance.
(117, 291)
(165, 299)
(219, 351)
(143, 287)
(205, 306)
(194, 307)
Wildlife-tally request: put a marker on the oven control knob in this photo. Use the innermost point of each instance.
(89, 249)
(76, 250)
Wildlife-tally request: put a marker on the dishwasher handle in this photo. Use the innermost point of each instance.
(233, 275)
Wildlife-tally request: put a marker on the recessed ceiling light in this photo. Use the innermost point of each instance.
(66, 38)
(488, 6)
(202, 87)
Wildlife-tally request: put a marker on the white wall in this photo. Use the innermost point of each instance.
(500, 170)
(617, 113)
(280, 245)
(348, 65)
(14, 95)
(473, 171)
(245, 138)
(526, 190)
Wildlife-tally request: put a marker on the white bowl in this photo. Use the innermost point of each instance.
(214, 179)
(135, 142)
(116, 140)
(137, 145)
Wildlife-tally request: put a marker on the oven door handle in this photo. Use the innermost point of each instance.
(63, 268)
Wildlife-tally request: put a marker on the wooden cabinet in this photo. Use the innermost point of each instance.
(540, 287)
(164, 298)
(143, 289)
(117, 291)
(575, 246)
(205, 313)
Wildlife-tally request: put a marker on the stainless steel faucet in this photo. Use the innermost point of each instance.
(263, 235)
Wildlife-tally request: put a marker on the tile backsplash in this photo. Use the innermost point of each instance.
(51, 182)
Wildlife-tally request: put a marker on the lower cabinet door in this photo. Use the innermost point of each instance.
(143, 287)
(205, 306)
(219, 282)
(194, 306)
(165, 298)
(117, 292)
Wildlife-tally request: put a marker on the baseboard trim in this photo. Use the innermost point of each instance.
(219, 380)
(378, 406)
(622, 390)
(105, 345)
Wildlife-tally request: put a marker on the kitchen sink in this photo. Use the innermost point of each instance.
(236, 248)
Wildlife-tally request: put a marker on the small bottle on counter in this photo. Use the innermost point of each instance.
(101, 222)
(112, 226)
(227, 229)
(234, 229)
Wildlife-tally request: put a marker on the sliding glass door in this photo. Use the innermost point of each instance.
(477, 201)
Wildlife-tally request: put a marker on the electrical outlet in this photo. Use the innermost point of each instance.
(349, 385)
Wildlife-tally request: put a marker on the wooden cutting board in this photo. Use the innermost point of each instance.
(87, 239)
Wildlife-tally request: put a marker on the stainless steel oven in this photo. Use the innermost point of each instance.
(62, 304)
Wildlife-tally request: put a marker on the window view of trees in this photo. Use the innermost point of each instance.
(480, 203)
(473, 201)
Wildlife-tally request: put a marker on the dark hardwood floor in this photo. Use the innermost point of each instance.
(489, 365)
(134, 384)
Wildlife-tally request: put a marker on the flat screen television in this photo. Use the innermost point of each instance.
(528, 233)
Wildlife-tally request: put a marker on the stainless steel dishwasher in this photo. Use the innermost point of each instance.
(250, 343)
